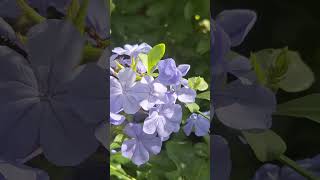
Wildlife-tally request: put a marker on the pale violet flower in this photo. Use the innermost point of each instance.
(169, 74)
(157, 93)
(141, 145)
(163, 119)
(48, 99)
(127, 53)
(125, 93)
(116, 119)
(184, 93)
(132, 50)
(197, 123)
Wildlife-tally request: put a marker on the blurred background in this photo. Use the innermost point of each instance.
(295, 24)
(182, 25)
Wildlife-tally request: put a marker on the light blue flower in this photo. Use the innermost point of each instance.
(116, 119)
(169, 74)
(197, 123)
(163, 119)
(125, 55)
(157, 93)
(44, 100)
(125, 93)
(183, 92)
(141, 145)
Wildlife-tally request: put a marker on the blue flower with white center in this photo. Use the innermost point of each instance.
(163, 119)
(157, 93)
(125, 93)
(141, 145)
(197, 123)
(44, 99)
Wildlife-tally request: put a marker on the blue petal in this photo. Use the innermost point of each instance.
(92, 101)
(220, 158)
(20, 125)
(237, 24)
(219, 50)
(65, 138)
(98, 17)
(268, 172)
(243, 106)
(169, 74)
(56, 60)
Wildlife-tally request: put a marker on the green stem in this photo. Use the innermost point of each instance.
(287, 161)
(120, 174)
(29, 12)
(91, 54)
(205, 116)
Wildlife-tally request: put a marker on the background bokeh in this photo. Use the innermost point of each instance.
(295, 24)
(182, 25)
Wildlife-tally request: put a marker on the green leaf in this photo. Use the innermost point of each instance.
(117, 142)
(120, 173)
(79, 20)
(203, 46)
(155, 55)
(282, 61)
(189, 165)
(117, 158)
(157, 9)
(202, 149)
(30, 13)
(193, 107)
(144, 60)
(266, 145)
(73, 9)
(188, 10)
(299, 76)
(260, 72)
(205, 95)
(283, 69)
(198, 83)
(306, 107)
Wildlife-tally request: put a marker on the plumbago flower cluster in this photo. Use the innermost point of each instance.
(147, 94)
(247, 102)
